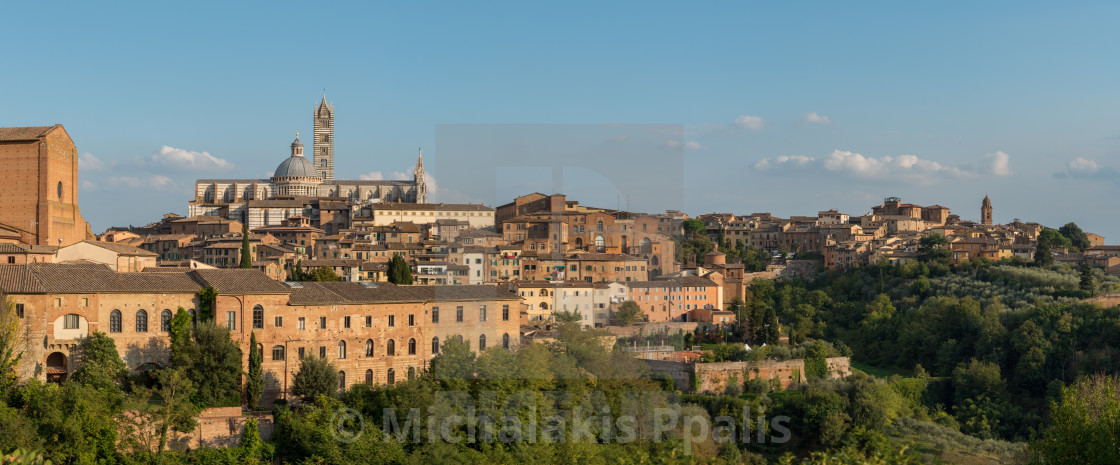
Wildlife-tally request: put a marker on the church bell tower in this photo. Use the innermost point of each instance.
(418, 178)
(986, 211)
(322, 146)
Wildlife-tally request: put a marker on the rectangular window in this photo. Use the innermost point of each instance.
(412, 320)
(369, 321)
(301, 325)
(346, 322)
(301, 352)
(322, 322)
(70, 321)
(57, 303)
(279, 322)
(505, 312)
(322, 351)
(85, 302)
(19, 310)
(459, 314)
(481, 313)
(392, 320)
(435, 314)
(231, 321)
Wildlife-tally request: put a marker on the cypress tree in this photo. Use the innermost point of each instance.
(246, 257)
(253, 384)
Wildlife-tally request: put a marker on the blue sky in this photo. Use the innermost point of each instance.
(786, 108)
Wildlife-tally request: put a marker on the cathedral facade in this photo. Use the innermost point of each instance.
(299, 185)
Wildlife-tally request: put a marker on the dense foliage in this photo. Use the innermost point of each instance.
(998, 338)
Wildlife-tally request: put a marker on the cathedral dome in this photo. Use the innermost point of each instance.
(296, 166)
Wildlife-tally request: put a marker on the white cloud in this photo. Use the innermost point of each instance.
(753, 123)
(156, 181)
(688, 144)
(794, 161)
(903, 168)
(89, 162)
(371, 176)
(1084, 168)
(998, 164)
(402, 176)
(1083, 165)
(815, 118)
(88, 185)
(187, 159)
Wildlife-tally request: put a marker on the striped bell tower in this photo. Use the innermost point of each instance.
(322, 145)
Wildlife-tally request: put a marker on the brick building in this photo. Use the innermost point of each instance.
(39, 203)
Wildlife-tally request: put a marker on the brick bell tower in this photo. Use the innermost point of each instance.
(986, 211)
(322, 144)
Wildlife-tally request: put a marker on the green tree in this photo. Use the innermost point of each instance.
(1088, 281)
(628, 313)
(254, 382)
(206, 299)
(932, 248)
(1053, 238)
(297, 272)
(399, 271)
(455, 360)
(316, 377)
(322, 273)
(253, 449)
(12, 341)
(215, 367)
(180, 336)
(1075, 235)
(565, 316)
(154, 412)
(1043, 256)
(246, 255)
(1084, 425)
(79, 423)
(693, 227)
(99, 364)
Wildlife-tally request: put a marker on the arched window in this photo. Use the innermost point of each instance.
(653, 260)
(392, 376)
(165, 321)
(505, 341)
(544, 306)
(599, 227)
(544, 292)
(369, 347)
(600, 244)
(369, 377)
(647, 246)
(390, 348)
(258, 317)
(341, 380)
(412, 347)
(341, 349)
(141, 321)
(482, 343)
(435, 345)
(278, 352)
(115, 321)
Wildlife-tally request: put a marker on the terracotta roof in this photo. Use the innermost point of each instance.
(27, 133)
(70, 278)
(122, 249)
(322, 293)
(429, 206)
(239, 281)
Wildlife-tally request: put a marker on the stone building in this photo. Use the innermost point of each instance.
(298, 183)
(39, 201)
(372, 333)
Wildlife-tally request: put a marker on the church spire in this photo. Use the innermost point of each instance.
(418, 178)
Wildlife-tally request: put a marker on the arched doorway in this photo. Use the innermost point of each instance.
(56, 367)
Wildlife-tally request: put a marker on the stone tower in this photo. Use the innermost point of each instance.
(322, 145)
(418, 178)
(986, 211)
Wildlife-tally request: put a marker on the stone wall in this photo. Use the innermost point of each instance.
(221, 427)
(715, 377)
